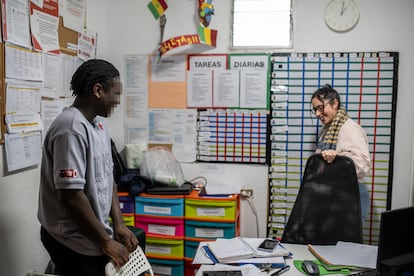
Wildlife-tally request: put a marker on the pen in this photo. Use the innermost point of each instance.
(208, 254)
(280, 271)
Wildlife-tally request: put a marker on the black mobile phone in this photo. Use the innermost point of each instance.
(268, 245)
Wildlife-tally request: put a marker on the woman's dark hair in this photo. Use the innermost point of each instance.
(90, 73)
(326, 92)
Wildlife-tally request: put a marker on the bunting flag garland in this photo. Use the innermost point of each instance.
(178, 41)
(206, 11)
(157, 7)
(207, 36)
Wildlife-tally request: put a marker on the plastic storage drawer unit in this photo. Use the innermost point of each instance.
(164, 226)
(159, 205)
(126, 203)
(164, 248)
(210, 229)
(129, 219)
(167, 267)
(190, 268)
(191, 246)
(211, 208)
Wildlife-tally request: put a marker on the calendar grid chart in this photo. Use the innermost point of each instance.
(233, 136)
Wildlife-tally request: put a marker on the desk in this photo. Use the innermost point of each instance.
(299, 251)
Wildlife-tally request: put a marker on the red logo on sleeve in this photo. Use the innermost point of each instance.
(68, 173)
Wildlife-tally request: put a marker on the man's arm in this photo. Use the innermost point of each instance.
(79, 208)
(122, 233)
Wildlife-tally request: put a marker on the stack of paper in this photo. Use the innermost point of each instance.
(231, 249)
(346, 254)
(241, 250)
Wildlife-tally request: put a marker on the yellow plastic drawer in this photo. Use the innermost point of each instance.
(166, 248)
(129, 219)
(211, 208)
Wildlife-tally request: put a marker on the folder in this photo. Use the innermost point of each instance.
(345, 255)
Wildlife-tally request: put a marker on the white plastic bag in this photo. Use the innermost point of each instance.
(133, 154)
(160, 165)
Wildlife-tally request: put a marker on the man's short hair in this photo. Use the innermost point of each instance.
(90, 73)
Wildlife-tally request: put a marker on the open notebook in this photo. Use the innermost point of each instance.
(241, 248)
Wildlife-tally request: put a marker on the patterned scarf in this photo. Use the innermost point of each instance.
(331, 136)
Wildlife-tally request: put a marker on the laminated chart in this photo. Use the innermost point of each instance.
(232, 136)
(367, 85)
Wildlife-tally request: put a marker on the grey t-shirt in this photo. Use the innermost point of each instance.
(76, 155)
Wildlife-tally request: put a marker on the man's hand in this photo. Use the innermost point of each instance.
(126, 237)
(116, 251)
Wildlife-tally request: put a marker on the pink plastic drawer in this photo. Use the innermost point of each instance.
(160, 226)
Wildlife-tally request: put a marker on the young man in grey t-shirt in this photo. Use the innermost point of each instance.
(77, 192)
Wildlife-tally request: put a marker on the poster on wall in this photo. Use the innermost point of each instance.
(22, 150)
(167, 82)
(73, 13)
(254, 74)
(44, 22)
(15, 22)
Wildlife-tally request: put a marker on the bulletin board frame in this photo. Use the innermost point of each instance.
(2, 93)
(66, 37)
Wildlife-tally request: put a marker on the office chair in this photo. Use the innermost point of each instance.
(136, 265)
(327, 208)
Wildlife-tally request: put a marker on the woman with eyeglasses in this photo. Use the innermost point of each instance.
(341, 135)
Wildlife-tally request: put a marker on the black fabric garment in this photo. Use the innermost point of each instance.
(119, 166)
(327, 208)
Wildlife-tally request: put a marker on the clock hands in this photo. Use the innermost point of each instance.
(343, 8)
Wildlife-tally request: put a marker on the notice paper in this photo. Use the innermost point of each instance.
(22, 150)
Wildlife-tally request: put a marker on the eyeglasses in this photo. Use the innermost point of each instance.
(319, 108)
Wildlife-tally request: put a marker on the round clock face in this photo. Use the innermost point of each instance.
(341, 15)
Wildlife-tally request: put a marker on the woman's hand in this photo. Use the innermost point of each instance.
(329, 155)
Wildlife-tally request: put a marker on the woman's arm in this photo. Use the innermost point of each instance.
(353, 143)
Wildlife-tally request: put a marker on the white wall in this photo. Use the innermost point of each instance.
(127, 27)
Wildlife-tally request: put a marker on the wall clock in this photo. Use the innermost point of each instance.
(341, 15)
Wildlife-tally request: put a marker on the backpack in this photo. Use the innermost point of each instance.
(119, 166)
(127, 180)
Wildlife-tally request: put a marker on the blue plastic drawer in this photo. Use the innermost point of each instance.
(210, 230)
(160, 206)
(167, 267)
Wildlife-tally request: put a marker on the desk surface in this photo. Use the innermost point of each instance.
(299, 251)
